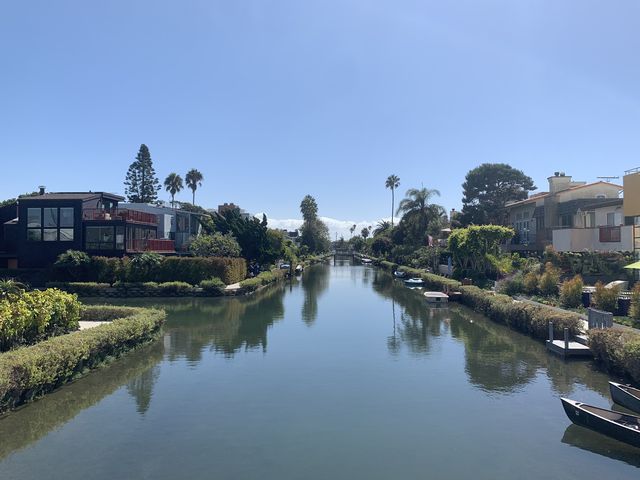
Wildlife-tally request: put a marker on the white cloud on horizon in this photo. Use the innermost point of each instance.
(336, 227)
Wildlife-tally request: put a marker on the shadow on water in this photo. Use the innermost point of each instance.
(138, 371)
(594, 442)
(497, 359)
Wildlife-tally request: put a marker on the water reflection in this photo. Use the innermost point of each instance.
(26, 426)
(314, 282)
(591, 441)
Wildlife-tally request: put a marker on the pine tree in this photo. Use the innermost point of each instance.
(141, 184)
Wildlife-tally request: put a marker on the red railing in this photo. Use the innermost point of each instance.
(610, 234)
(150, 245)
(122, 214)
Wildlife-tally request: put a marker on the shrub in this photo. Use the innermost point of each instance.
(72, 265)
(618, 350)
(144, 267)
(530, 283)
(548, 284)
(264, 278)
(571, 292)
(106, 270)
(216, 245)
(606, 299)
(29, 372)
(193, 270)
(511, 286)
(83, 289)
(213, 286)
(174, 288)
(11, 287)
(37, 315)
(634, 308)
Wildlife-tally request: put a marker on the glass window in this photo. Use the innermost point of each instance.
(34, 217)
(66, 234)
(119, 238)
(34, 234)
(50, 234)
(66, 217)
(99, 238)
(50, 217)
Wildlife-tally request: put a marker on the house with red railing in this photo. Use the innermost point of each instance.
(49, 224)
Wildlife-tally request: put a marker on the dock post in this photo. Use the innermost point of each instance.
(566, 339)
(551, 331)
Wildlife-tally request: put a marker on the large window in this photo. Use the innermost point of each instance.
(99, 238)
(50, 224)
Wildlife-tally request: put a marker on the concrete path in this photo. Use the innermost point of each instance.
(88, 325)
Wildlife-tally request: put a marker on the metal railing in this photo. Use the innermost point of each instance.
(150, 245)
(121, 214)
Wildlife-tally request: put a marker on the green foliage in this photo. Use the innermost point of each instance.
(634, 308)
(195, 269)
(530, 283)
(314, 235)
(29, 372)
(32, 316)
(531, 319)
(262, 279)
(83, 289)
(488, 188)
(213, 286)
(571, 292)
(145, 266)
(72, 264)
(141, 183)
(511, 286)
(607, 265)
(419, 217)
(476, 249)
(194, 180)
(174, 288)
(216, 245)
(392, 182)
(107, 269)
(309, 208)
(618, 350)
(548, 284)
(10, 287)
(174, 185)
(381, 245)
(606, 299)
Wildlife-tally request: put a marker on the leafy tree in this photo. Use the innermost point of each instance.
(393, 182)
(352, 229)
(141, 184)
(381, 245)
(382, 227)
(173, 184)
(216, 245)
(419, 216)
(488, 188)
(364, 232)
(194, 180)
(309, 208)
(475, 250)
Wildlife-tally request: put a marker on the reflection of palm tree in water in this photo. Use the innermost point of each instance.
(141, 388)
(314, 282)
(392, 342)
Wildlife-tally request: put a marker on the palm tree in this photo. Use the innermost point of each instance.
(173, 184)
(352, 229)
(194, 180)
(417, 209)
(393, 182)
(381, 227)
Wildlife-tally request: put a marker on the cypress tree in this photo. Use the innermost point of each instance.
(141, 184)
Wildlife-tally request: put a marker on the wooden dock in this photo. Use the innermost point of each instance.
(568, 348)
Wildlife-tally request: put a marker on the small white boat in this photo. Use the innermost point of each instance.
(436, 297)
(299, 269)
(366, 260)
(399, 274)
(414, 282)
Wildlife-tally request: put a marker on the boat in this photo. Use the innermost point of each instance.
(414, 282)
(625, 395)
(285, 266)
(366, 260)
(620, 426)
(399, 274)
(436, 297)
(299, 269)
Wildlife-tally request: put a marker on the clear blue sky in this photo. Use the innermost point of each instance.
(272, 100)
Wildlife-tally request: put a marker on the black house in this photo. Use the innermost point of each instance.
(52, 223)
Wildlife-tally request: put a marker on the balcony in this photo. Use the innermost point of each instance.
(119, 214)
(150, 245)
(601, 239)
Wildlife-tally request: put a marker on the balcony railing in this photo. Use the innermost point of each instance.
(120, 214)
(150, 245)
(610, 234)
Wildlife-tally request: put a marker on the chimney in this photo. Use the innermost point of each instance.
(559, 182)
(42, 189)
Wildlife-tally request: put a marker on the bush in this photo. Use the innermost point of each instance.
(213, 286)
(618, 350)
(571, 292)
(193, 270)
(264, 278)
(29, 372)
(144, 267)
(530, 283)
(72, 265)
(606, 299)
(106, 270)
(34, 316)
(216, 245)
(174, 288)
(511, 286)
(548, 284)
(83, 289)
(634, 308)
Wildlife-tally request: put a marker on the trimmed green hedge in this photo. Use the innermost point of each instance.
(618, 350)
(433, 281)
(213, 286)
(29, 372)
(525, 317)
(264, 278)
(32, 316)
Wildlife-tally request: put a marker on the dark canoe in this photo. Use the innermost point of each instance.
(620, 426)
(625, 395)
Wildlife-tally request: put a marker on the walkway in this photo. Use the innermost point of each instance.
(88, 325)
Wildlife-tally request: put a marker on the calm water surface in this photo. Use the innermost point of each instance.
(345, 374)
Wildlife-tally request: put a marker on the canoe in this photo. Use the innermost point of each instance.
(414, 281)
(625, 395)
(620, 426)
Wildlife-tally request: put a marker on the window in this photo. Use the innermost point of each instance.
(590, 219)
(99, 238)
(34, 234)
(119, 238)
(50, 217)
(611, 219)
(66, 234)
(66, 217)
(50, 234)
(609, 234)
(50, 224)
(565, 220)
(34, 217)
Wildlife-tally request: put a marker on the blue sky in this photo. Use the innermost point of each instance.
(272, 100)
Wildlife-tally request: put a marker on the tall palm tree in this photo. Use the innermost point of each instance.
(381, 227)
(194, 180)
(173, 184)
(393, 182)
(352, 229)
(417, 209)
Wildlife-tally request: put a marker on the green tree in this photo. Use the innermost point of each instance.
(216, 245)
(141, 183)
(314, 234)
(194, 180)
(393, 182)
(419, 216)
(364, 232)
(309, 208)
(476, 249)
(488, 188)
(173, 184)
(382, 227)
(352, 229)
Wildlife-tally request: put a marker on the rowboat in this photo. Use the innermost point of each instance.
(365, 260)
(414, 282)
(625, 395)
(620, 426)
(399, 274)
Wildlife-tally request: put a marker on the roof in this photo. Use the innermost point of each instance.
(72, 196)
(539, 196)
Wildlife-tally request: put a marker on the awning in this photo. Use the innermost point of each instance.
(634, 266)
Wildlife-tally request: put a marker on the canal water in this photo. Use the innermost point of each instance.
(343, 374)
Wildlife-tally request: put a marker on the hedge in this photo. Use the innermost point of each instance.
(138, 289)
(264, 278)
(213, 286)
(525, 317)
(32, 316)
(29, 372)
(433, 281)
(618, 350)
